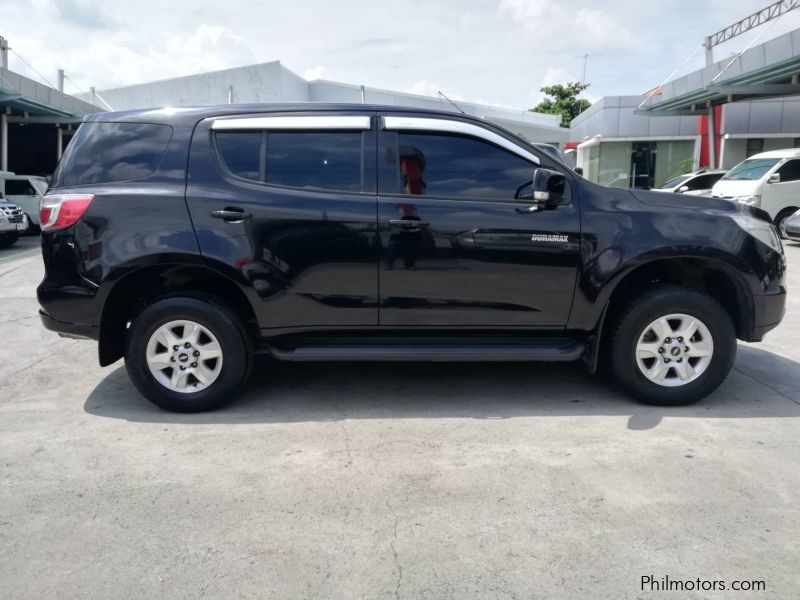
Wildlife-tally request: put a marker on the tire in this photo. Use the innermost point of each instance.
(210, 329)
(782, 216)
(8, 239)
(32, 229)
(637, 347)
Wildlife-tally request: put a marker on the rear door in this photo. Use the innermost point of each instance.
(460, 246)
(285, 205)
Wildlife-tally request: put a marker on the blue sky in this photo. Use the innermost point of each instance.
(492, 51)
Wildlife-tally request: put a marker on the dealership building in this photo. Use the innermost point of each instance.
(713, 117)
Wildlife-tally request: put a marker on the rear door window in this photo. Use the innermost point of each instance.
(106, 152)
(322, 160)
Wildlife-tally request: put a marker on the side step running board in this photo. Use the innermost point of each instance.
(477, 353)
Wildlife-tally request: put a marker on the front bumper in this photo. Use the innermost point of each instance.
(768, 312)
(6, 227)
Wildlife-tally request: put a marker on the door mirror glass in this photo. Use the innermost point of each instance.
(774, 178)
(683, 188)
(548, 186)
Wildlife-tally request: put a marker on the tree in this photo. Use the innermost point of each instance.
(563, 100)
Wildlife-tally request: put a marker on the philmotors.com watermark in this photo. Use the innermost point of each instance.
(651, 583)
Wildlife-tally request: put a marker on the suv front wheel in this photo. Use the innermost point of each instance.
(187, 354)
(673, 346)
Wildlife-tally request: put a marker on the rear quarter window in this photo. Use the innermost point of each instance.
(106, 152)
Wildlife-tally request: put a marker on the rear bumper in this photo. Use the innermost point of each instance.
(768, 311)
(69, 330)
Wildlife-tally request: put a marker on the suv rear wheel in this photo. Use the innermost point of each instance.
(673, 346)
(187, 354)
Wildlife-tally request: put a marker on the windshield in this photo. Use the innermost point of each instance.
(675, 182)
(40, 184)
(752, 168)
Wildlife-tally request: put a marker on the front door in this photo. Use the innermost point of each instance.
(458, 250)
(785, 193)
(285, 205)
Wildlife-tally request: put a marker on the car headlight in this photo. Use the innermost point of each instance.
(749, 200)
(761, 230)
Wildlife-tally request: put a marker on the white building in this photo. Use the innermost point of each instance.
(272, 82)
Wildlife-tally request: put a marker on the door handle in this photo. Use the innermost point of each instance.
(231, 214)
(408, 223)
(526, 210)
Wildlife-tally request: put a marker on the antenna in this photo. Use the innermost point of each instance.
(583, 82)
(451, 102)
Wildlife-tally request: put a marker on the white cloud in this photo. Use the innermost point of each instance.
(123, 59)
(555, 75)
(561, 27)
(314, 73)
(500, 51)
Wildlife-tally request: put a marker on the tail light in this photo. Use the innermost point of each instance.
(57, 211)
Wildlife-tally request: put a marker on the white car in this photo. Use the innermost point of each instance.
(696, 183)
(25, 191)
(770, 181)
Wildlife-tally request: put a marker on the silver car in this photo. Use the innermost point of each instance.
(790, 228)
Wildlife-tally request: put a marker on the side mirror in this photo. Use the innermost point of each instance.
(548, 186)
(578, 170)
(774, 178)
(683, 188)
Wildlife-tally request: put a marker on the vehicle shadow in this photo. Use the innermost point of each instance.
(294, 393)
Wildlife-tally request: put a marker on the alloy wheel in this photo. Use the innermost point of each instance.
(184, 356)
(674, 350)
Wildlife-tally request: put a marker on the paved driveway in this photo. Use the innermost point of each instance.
(389, 481)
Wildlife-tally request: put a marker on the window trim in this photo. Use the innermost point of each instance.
(306, 122)
(425, 125)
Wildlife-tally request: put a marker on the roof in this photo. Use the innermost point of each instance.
(769, 70)
(36, 101)
(785, 153)
(195, 113)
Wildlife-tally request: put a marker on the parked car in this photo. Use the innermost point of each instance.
(696, 183)
(353, 232)
(770, 181)
(791, 227)
(25, 191)
(12, 223)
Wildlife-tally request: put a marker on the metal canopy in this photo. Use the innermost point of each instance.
(771, 81)
(23, 98)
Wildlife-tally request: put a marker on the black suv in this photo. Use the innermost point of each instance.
(187, 240)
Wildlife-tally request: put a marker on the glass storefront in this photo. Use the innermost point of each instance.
(639, 164)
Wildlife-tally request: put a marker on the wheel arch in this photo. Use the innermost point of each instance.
(137, 289)
(711, 276)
